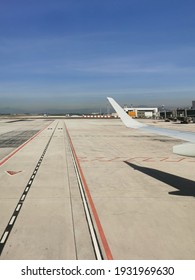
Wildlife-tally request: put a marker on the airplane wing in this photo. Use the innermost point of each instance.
(186, 149)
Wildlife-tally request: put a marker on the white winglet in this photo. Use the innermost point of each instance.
(186, 149)
(126, 119)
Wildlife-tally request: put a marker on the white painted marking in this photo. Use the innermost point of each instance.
(23, 197)
(33, 176)
(30, 182)
(88, 216)
(12, 220)
(26, 190)
(18, 208)
(4, 236)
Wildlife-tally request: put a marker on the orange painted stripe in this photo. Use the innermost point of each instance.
(20, 147)
(92, 206)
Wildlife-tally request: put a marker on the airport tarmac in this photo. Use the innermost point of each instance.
(91, 189)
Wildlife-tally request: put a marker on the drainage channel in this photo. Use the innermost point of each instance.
(20, 203)
(89, 208)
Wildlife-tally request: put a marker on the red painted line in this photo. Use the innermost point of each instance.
(20, 147)
(176, 160)
(149, 159)
(90, 200)
(11, 173)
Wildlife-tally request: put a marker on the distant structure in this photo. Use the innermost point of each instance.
(184, 115)
(142, 112)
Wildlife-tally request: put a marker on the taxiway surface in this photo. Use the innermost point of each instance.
(140, 196)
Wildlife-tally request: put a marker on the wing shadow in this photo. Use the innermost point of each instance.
(185, 187)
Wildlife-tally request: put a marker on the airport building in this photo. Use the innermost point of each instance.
(142, 112)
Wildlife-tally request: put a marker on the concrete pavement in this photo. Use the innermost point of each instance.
(143, 194)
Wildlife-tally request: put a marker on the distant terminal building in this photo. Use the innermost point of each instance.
(184, 115)
(167, 114)
(142, 112)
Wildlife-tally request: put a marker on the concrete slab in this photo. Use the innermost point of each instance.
(147, 206)
(143, 194)
(51, 223)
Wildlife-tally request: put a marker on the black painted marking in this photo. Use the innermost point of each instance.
(14, 139)
(18, 208)
(23, 120)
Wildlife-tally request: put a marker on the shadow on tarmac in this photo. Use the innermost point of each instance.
(185, 187)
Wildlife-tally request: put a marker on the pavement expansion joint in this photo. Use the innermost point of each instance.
(88, 208)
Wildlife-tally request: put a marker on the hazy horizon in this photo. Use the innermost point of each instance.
(68, 56)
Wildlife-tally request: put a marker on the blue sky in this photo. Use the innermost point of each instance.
(66, 55)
